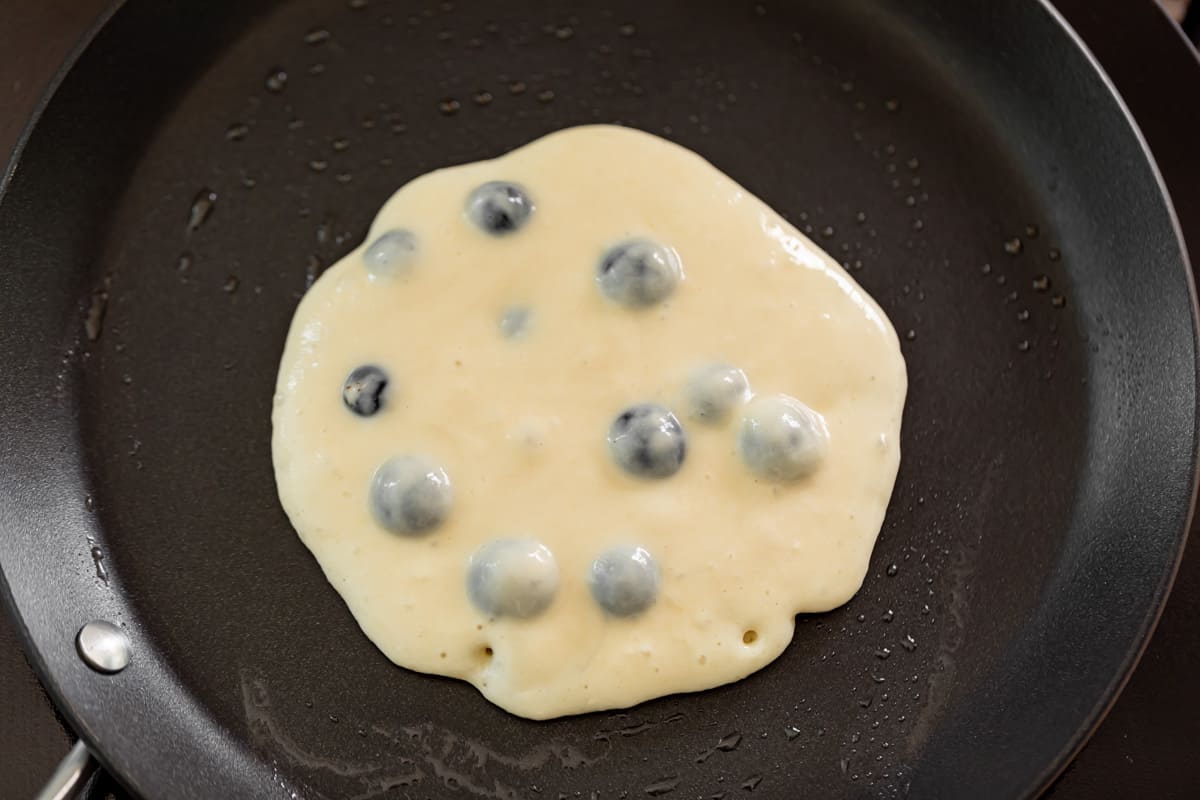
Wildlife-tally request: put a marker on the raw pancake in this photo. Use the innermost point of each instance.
(519, 422)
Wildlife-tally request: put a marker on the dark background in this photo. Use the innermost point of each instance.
(1147, 745)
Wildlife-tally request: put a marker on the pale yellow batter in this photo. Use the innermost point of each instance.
(507, 362)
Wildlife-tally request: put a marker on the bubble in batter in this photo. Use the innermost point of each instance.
(624, 581)
(647, 440)
(391, 255)
(512, 578)
(363, 390)
(638, 273)
(499, 207)
(782, 439)
(714, 390)
(410, 495)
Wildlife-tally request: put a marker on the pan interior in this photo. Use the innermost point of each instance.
(202, 165)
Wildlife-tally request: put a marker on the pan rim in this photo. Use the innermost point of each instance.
(1105, 704)
(32, 654)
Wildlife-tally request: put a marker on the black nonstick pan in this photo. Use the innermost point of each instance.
(201, 163)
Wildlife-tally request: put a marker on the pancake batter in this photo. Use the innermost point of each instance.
(587, 424)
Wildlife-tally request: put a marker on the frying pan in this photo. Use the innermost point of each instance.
(968, 161)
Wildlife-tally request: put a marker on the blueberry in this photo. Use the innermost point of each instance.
(363, 391)
(514, 322)
(647, 440)
(624, 581)
(391, 254)
(499, 207)
(638, 273)
(410, 495)
(512, 578)
(714, 390)
(781, 438)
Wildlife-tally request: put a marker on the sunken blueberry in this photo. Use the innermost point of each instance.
(512, 578)
(781, 438)
(410, 495)
(714, 390)
(624, 581)
(363, 391)
(514, 322)
(647, 440)
(391, 254)
(638, 273)
(499, 207)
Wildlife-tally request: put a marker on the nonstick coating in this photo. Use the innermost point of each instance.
(1048, 441)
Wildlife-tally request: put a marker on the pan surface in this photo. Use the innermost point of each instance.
(968, 162)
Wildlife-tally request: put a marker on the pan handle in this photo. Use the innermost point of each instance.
(71, 776)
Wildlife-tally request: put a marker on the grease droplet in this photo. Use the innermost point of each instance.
(729, 742)
(93, 321)
(449, 106)
(98, 560)
(662, 786)
(202, 208)
(276, 80)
